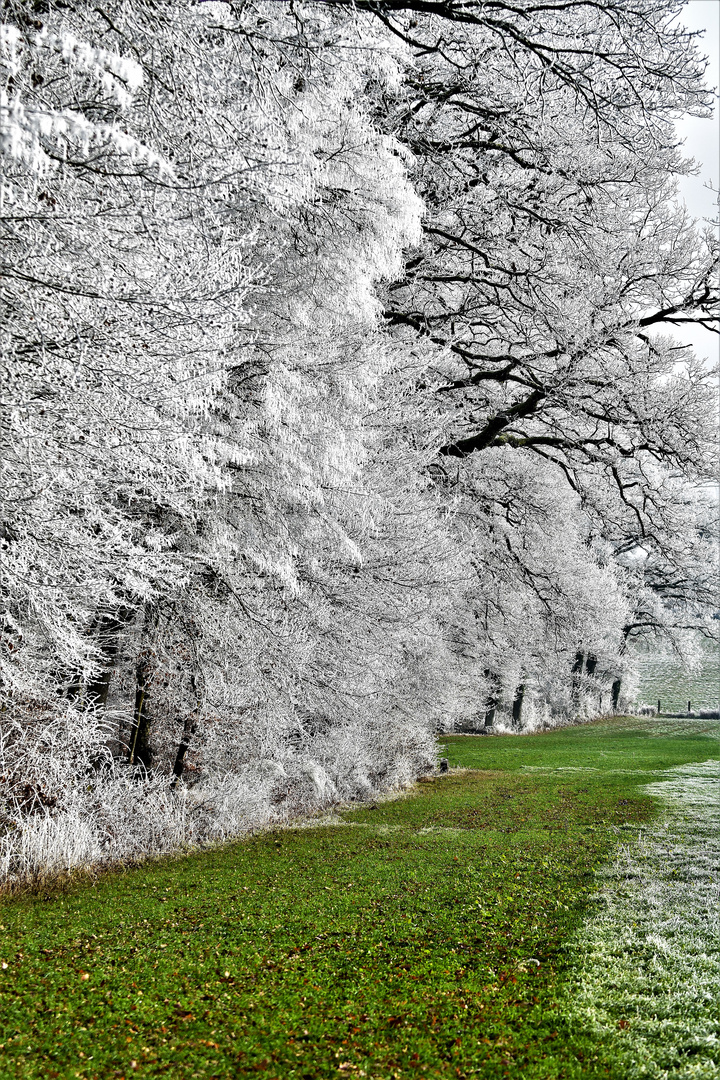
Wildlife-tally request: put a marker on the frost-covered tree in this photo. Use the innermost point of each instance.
(201, 528)
(554, 250)
(334, 405)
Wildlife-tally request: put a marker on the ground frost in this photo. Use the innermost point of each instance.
(646, 966)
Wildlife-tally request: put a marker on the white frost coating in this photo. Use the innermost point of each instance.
(118, 75)
(9, 41)
(650, 955)
(27, 125)
(22, 125)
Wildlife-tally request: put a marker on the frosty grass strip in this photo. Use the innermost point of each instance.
(645, 971)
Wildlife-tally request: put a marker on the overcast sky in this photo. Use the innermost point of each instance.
(703, 136)
(702, 142)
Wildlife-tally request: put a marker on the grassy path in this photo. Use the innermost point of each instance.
(427, 936)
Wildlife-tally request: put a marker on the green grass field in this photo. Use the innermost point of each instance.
(418, 937)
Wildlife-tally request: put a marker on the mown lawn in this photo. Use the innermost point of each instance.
(422, 938)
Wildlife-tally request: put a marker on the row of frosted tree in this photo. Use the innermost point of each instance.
(340, 398)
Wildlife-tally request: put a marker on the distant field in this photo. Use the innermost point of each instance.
(419, 937)
(663, 678)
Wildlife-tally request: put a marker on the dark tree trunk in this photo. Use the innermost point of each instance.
(98, 690)
(615, 694)
(188, 731)
(109, 637)
(139, 750)
(518, 705)
(591, 664)
(492, 701)
(106, 630)
(577, 667)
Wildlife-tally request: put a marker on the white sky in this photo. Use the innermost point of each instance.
(702, 137)
(702, 142)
